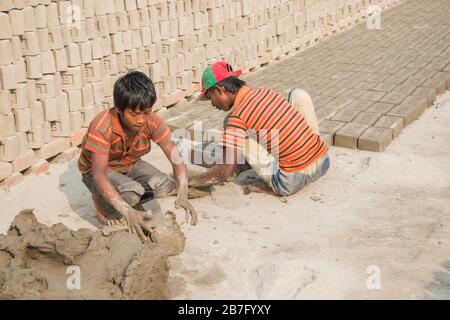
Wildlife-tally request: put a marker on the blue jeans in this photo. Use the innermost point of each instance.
(286, 184)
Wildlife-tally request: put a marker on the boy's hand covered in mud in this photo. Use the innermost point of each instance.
(183, 202)
(136, 223)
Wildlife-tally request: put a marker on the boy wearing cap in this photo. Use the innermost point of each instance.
(110, 160)
(293, 156)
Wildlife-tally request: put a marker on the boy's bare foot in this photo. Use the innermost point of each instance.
(103, 218)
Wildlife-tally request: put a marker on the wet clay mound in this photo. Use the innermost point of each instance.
(37, 262)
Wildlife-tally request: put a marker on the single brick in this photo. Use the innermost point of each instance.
(6, 55)
(345, 115)
(372, 96)
(85, 52)
(12, 180)
(5, 102)
(410, 109)
(46, 87)
(73, 55)
(8, 79)
(6, 169)
(394, 123)
(34, 66)
(387, 86)
(375, 139)
(75, 121)
(348, 135)
(359, 105)
(330, 126)
(440, 84)
(9, 148)
(94, 71)
(22, 119)
(87, 115)
(62, 104)
(48, 62)
(8, 127)
(29, 19)
(61, 126)
(428, 93)
(19, 97)
(380, 107)
(35, 137)
(326, 112)
(367, 118)
(37, 113)
(24, 161)
(394, 97)
(21, 70)
(53, 148)
(50, 109)
(5, 23)
(72, 79)
(30, 44)
(75, 99)
(60, 60)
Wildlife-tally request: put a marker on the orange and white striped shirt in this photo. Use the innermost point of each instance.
(275, 123)
(106, 136)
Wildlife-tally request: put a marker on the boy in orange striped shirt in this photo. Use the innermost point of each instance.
(110, 161)
(278, 138)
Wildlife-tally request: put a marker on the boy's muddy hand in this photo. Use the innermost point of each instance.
(190, 211)
(136, 222)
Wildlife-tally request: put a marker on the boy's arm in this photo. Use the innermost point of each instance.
(135, 219)
(219, 173)
(181, 175)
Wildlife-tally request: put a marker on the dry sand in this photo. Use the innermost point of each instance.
(389, 210)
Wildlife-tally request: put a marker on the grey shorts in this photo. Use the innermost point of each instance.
(143, 183)
(286, 184)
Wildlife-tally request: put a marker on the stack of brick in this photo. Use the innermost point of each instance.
(60, 59)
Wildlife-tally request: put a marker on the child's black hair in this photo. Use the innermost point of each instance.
(134, 90)
(231, 84)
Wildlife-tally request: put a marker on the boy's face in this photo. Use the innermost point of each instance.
(220, 98)
(134, 119)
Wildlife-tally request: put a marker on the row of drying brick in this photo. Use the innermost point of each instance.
(376, 127)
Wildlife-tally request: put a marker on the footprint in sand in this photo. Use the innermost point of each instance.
(282, 279)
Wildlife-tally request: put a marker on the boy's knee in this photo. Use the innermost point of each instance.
(131, 197)
(300, 96)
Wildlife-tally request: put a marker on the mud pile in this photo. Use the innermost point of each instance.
(40, 262)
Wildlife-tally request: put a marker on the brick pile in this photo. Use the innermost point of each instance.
(60, 59)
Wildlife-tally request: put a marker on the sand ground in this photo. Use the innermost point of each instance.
(387, 212)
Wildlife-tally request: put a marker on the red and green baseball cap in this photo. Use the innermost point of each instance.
(215, 73)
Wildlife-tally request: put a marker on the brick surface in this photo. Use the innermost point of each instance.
(375, 139)
(394, 123)
(367, 118)
(53, 148)
(410, 109)
(347, 136)
(24, 161)
(6, 169)
(12, 180)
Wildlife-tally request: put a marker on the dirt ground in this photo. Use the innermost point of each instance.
(387, 212)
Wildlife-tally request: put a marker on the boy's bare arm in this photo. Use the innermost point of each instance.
(135, 219)
(219, 173)
(181, 175)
